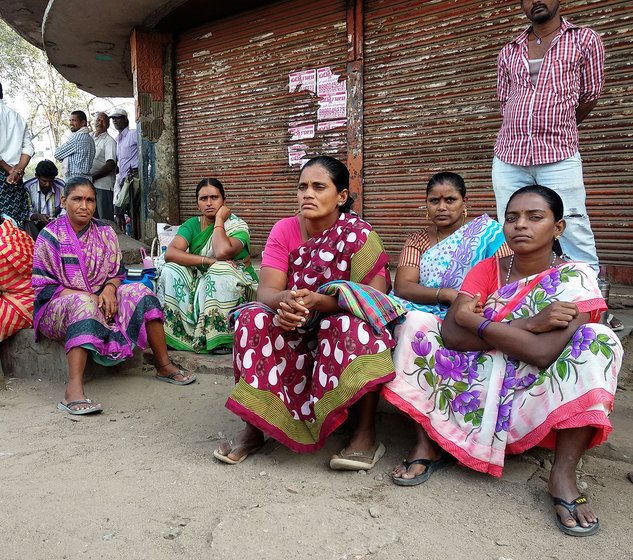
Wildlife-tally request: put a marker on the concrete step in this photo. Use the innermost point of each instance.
(23, 358)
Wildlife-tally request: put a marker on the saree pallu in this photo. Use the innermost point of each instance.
(297, 386)
(16, 292)
(85, 262)
(479, 406)
(197, 301)
(446, 264)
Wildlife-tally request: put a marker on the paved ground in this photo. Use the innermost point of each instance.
(139, 482)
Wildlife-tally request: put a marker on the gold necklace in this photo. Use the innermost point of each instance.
(512, 262)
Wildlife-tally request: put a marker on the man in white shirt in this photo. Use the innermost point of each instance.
(104, 167)
(16, 150)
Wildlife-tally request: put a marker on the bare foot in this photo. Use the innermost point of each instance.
(249, 440)
(562, 484)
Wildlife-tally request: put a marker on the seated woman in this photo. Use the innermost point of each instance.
(301, 359)
(520, 361)
(16, 292)
(79, 299)
(208, 273)
(434, 261)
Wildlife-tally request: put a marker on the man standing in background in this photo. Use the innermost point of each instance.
(549, 78)
(127, 156)
(16, 150)
(104, 167)
(78, 152)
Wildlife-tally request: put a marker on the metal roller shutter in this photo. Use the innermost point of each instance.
(234, 107)
(430, 105)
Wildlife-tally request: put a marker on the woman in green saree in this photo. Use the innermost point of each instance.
(208, 272)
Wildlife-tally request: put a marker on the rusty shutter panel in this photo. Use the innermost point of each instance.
(430, 105)
(606, 137)
(234, 106)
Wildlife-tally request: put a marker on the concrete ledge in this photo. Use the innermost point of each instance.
(22, 357)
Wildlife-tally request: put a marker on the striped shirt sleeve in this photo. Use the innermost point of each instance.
(592, 72)
(415, 245)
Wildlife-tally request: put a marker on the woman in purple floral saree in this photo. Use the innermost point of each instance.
(520, 361)
(79, 299)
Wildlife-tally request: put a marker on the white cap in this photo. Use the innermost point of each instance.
(117, 113)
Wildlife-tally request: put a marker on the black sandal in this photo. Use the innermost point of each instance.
(431, 466)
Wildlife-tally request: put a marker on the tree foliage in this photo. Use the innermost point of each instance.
(25, 72)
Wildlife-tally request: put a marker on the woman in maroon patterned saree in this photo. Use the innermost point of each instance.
(300, 359)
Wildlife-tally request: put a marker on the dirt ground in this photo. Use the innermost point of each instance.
(139, 482)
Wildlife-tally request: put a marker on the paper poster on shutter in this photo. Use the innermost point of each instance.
(297, 155)
(305, 80)
(328, 83)
(301, 132)
(332, 95)
(330, 125)
(332, 107)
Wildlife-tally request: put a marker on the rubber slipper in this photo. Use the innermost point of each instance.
(578, 530)
(430, 465)
(357, 460)
(226, 459)
(614, 323)
(68, 407)
(170, 378)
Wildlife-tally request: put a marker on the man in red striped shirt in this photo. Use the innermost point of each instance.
(549, 78)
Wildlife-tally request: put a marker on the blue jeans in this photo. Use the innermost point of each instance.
(564, 177)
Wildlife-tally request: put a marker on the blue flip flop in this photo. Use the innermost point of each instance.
(430, 465)
(577, 530)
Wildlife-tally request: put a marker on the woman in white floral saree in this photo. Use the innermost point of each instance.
(520, 361)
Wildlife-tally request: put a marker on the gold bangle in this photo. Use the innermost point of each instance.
(437, 296)
(201, 261)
